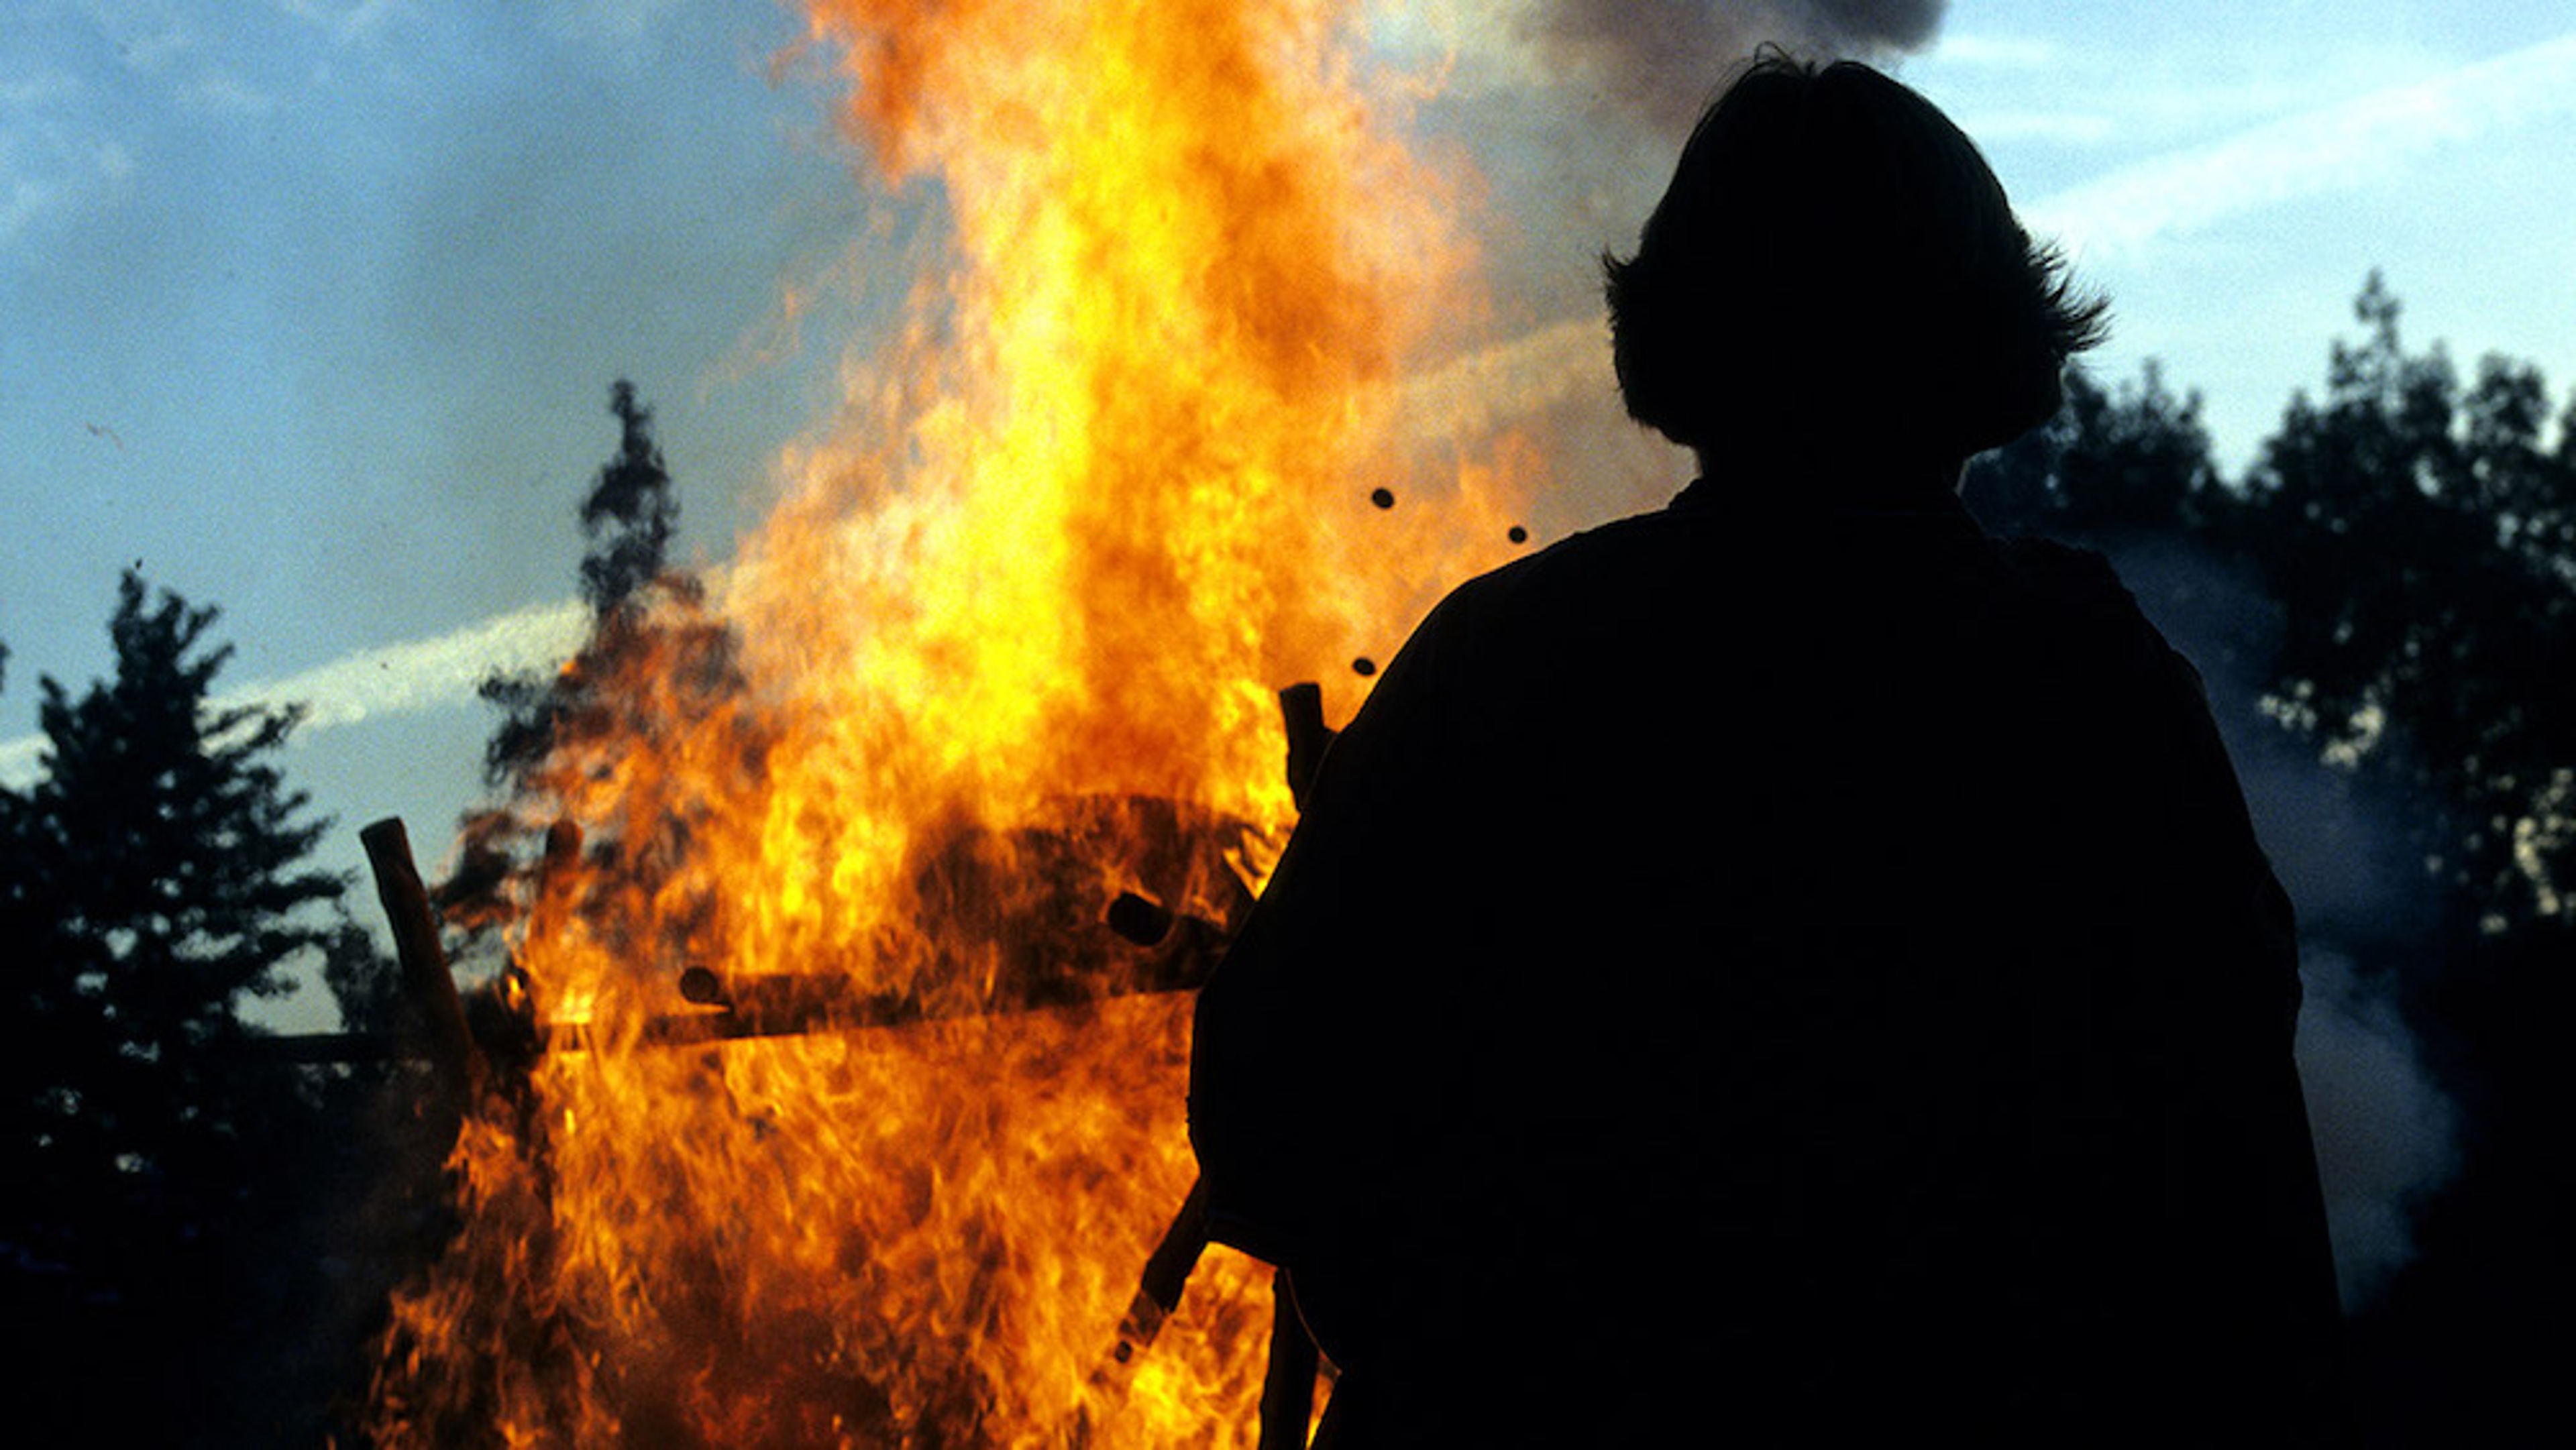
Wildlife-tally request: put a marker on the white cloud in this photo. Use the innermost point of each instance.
(31, 92)
(427, 673)
(347, 20)
(49, 166)
(22, 200)
(2072, 128)
(401, 679)
(35, 149)
(2324, 150)
(1996, 52)
(220, 90)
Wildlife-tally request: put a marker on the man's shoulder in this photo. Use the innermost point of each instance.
(2077, 573)
(2076, 586)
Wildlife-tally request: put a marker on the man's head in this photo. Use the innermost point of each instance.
(1835, 270)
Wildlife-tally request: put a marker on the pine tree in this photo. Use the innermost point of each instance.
(156, 881)
(657, 660)
(631, 512)
(629, 516)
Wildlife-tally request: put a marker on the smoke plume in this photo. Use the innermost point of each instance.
(2385, 1131)
(1661, 58)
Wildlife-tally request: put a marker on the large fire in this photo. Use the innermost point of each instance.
(1008, 647)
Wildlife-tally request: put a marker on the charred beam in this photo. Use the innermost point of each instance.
(790, 1004)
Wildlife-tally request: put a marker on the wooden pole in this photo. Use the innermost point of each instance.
(1301, 710)
(1288, 1386)
(425, 979)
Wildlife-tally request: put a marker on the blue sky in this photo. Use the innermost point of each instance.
(311, 307)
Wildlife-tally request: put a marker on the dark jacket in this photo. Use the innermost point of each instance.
(1805, 972)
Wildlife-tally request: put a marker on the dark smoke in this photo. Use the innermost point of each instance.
(2386, 1133)
(1662, 58)
(1899, 24)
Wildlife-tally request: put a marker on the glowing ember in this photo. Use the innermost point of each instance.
(1008, 648)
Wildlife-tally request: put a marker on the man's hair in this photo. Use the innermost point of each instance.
(1835, 254)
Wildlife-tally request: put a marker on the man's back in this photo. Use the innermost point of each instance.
(1802, 967)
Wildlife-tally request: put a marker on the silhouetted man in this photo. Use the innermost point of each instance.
(1788, 968)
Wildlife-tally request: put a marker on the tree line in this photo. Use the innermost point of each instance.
(2410, 535)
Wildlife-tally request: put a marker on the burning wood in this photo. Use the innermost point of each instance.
(1172, 951)
(1001, 655)
(783, 1004)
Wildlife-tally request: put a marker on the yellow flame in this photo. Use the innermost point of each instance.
(1106, 493)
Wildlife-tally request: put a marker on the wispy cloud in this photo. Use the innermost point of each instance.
(31, 147)
(2314, 152)
(22, 200)
(48, 166)
(219, 90)
(2072, 128)
(346, 20)
(27, 92)
(1997, 52)
(400, 679)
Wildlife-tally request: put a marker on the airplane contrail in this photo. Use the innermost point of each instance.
(396, 679)
(2302, 155)
(1462, 399)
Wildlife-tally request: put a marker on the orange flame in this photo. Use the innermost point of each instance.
(1008, 646)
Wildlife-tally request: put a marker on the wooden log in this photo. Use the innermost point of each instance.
(776, 1005)
(1143, 948)
(427, 984)
(1288, 1392)
(788, 1004)
(1167, 1272)
(1301, 710)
